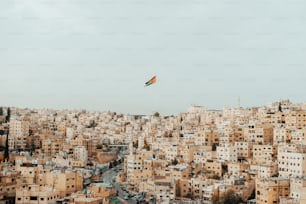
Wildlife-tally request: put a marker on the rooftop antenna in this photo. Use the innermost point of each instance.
(238, 102)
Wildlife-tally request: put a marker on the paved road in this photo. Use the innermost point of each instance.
(110, 176)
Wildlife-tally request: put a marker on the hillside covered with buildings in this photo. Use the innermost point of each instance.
(199, 156)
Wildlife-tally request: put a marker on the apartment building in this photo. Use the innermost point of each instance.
(80, 154)
(200, 156)
(259, 133)
(36, 194)
(66, 182)
(8, 183)
(51, 146)
(264, 170)
(227, 152)
(298, 136)
(180, 171)
(236, 169)
(18, 133)
(269, 191)
(296, 119)
(213, 168)
(163, 190)
(264, 154)
(244, 150)
(281, 134)
(292, 161)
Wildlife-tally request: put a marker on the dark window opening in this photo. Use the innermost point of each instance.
(33, 197)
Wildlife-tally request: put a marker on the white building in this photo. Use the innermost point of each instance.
(227, 152)
(80, 153)
(291, 163)
(298, 190)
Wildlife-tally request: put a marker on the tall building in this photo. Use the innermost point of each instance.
(19, 131)
(80, 153)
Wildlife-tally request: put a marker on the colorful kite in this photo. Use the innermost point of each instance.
(151, 81)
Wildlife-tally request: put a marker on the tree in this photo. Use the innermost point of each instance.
(215, 176)
(156, 114)
(8, 116)
(33, 146)
(280, 107)
(92, 124)
(252, 196)
(146, 145)
(215, 199)
(224, 169)
(115, 163)
(1, 111)
(214, 147)
(189, 195)
(230, 197)
(174, 162)
(135, 144)
(6, 152)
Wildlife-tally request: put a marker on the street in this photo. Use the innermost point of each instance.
(110, 177)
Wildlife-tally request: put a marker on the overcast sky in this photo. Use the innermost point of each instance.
(97, 54)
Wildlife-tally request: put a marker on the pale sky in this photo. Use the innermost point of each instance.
(97, 54)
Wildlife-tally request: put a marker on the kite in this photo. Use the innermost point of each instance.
(151, 81)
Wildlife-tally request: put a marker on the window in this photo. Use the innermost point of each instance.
(33, 197)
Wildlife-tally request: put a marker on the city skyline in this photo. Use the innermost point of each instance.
(97, 55)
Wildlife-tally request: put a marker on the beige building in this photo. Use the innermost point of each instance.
(101, 190)
(264, 154)
(227, 153)
(192, 187)
(82, 199)
(28, 173)
(281, 135)
(296, 119)
(213, 168)
(51, 146)
(236, 169)
(298, 190)
(180, 171)
(244, 150)
(8, 183)
(298, 136)
(80, 154)
(200, 156)
(259, 133)
(208, 192)
(135, 165)
(264, 170)
(66, 182)
(36, 194)
(18, 133)
(163, 190)
(171, 151)
(269, 191)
